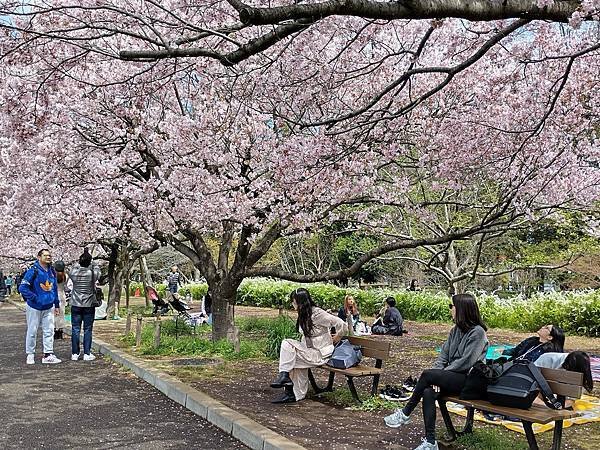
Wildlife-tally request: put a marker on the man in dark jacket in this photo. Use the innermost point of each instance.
(392, 321)
(39, 289)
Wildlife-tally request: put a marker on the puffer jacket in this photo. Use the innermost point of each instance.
(84, 286)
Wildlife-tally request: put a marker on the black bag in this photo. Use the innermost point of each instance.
(518, 387)
(345, 355)
(479, 377)
(98, 294)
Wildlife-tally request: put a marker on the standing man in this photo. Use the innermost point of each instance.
(39, 289)
(9, 283)
(174, 280)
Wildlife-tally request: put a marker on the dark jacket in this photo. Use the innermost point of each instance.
(40, 291)
(392, 319)
(530, 347)
(462, 350)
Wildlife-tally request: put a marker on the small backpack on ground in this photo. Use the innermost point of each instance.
(345, 355)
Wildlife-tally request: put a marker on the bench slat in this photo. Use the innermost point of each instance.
(537, 414)
(356, 371)
(568, 390)
(562, 376)
(372, 348)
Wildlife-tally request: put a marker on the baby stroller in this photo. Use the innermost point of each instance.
(160, 306)
(182, 311)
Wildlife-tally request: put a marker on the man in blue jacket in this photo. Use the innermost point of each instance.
(39, 289)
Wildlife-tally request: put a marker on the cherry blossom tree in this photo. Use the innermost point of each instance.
(349, 119)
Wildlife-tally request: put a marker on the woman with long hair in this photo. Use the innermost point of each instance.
(466, 344)
(550, 338)
(350, 309)
(576, 361)
(314, 349)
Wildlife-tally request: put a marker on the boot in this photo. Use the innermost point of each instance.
(287, 396)
(58, 334)
(283, 379)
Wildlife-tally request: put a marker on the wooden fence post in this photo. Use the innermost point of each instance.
(138, 331)
(157, 332)
(128, 323)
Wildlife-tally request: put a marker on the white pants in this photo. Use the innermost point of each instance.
(296, 358)
(34, 317)
(59, 321)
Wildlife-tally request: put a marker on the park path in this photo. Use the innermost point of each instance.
(79, 404)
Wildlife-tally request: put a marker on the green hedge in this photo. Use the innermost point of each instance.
(577, 312)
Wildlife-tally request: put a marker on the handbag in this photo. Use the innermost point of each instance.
(98, 294)
(518, 387)
(345, 355)
(479, 377)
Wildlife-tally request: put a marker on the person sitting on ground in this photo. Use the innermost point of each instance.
(391, 322)
(349, 309)
(466, 344)
(550, 338)
(314, 349)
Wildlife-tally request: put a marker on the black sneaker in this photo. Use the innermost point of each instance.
(397, 395)
(409, 384)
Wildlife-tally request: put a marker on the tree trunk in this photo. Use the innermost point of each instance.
(146, 279)
(120, 267)
(223, 301)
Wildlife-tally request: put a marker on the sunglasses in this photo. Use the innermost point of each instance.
(450, 305)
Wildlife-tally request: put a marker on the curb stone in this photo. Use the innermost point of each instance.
(246, 430)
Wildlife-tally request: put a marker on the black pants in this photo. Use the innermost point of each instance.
(449, 383)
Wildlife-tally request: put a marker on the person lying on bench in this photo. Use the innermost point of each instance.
(466, 344)
(575, 361)
(313, 350)
(550, 338)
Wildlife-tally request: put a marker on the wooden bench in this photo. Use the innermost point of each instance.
(563, 383)
(370, 348)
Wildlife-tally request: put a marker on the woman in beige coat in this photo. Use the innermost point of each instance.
(314, 349)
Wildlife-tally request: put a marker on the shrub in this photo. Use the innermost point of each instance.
(281, 328)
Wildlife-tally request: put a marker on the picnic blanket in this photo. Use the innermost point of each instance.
(595, 363)
(588, 406)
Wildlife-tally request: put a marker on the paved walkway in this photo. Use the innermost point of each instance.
(79, 404)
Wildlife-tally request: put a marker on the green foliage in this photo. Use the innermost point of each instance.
(491, 439)
(376, 403)
(577, 312)
(280, 328)
(186, 344)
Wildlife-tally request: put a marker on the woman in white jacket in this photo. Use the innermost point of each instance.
(314, 349)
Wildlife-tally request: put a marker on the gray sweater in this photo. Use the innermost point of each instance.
(462, 350)
(84, 291)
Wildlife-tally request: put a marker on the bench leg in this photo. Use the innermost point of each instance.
(378, 364)
(530, 436)
(447, 421)
(316, 388)
(558, 429)
(352, 388)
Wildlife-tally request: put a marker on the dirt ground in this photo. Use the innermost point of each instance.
(317, 423)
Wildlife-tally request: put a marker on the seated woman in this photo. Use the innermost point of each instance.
(575, 361)
(392, 321)
(550, 338)
(314, 349)
(349, 309)
(466, 344)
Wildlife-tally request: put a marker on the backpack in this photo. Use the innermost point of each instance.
(345, 355)
(519, 386)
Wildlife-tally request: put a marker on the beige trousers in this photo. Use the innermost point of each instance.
(296, 358)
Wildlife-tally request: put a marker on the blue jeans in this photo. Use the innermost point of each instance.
(78, 315)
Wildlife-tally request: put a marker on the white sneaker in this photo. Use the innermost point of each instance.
(30, 358)
(50, 359)
(425, 445)
(396, 419)
(74, 356)
(89, 357)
